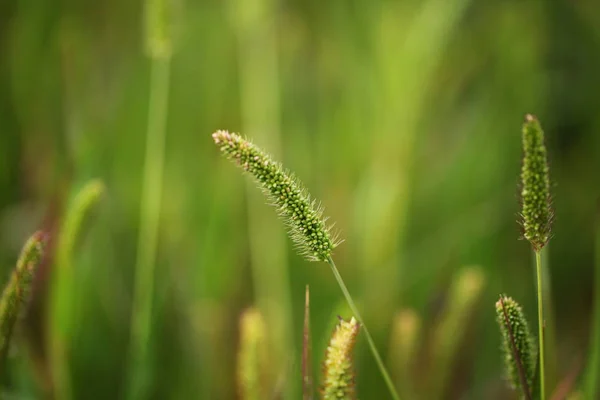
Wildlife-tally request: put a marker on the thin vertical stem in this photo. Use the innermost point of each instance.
(594, 361)
(354, 310)
(307, 384)
(149, 219)
(538, 263)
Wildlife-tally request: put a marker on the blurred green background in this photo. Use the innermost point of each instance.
(402, 118)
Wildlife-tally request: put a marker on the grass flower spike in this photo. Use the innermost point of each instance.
(339, 366)
(536, 213)
(303, 217)
(17, 291)
(517, 343)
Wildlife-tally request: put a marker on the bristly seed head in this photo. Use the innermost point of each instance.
(339, 366)
(536, 213)
(523, 341)
(303, 217)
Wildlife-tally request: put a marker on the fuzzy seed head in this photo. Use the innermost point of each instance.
(303, 217)
(17, 292)
(339, 366)
(523, 341)
(536, 213)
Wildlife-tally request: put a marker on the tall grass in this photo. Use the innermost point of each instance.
(342, 73)
(158, 47)
(256, 31)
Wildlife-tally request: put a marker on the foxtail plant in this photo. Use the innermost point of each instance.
(17, 292)
(252, 356)
(338, 367)
(536, 213)
(303, 217)
(517, 344)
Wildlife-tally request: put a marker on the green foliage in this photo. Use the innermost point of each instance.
(399, 115)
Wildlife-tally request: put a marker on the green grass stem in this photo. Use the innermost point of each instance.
(593, 383)
(386, 376)
(141, 319)
(538, 264)
(62, 304)
(258, 70)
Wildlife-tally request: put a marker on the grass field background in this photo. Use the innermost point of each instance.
(402, 118)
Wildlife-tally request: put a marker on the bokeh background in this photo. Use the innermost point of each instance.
(402, 118)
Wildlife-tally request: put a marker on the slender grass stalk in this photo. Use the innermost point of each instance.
(149, 214)
(77, 216)
(307, 381)
(550, 345)
(158, 48)
(593, 383)
(378, 360)
(538, 264)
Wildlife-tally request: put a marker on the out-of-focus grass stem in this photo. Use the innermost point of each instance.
(159, 51)
(255, 29)
(61, 308)
(593, 383)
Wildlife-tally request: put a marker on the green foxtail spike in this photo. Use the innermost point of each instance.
(517, 343)
(338, 367)
(536, 212)
(303, 217)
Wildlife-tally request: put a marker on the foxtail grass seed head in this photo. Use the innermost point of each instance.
(536, 213)
(18, 290)
(252, 357)
(339, 364)
(303, 217)
(524, 343)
